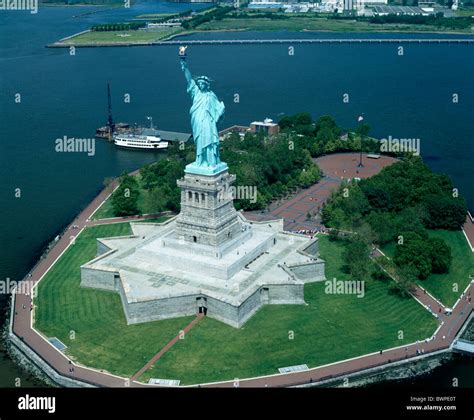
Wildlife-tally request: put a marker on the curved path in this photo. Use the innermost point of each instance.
(336, 168)
(23, 314)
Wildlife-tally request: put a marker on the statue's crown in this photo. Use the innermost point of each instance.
(205, 78)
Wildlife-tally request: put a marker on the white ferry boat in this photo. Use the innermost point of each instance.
(140, 141)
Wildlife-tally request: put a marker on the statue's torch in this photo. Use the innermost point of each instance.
(182, 52)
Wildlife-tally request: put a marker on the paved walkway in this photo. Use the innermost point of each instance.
(22, 325)
(22, 316)
(468, 229)
(444, 337)
(301, 212)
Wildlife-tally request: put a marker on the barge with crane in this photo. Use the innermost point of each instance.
(125, 136)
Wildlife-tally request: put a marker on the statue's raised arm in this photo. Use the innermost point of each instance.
(206, 110)
(187, 73)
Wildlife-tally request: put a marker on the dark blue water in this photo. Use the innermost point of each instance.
(64, 95)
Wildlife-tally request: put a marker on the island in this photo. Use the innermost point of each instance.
(158, 29)
(371, 262)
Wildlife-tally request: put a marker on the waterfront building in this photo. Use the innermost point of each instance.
(268, 126)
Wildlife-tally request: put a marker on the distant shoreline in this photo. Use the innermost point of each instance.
(172, 39)
(111, 5)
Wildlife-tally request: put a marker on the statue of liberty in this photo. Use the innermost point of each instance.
(206, 111)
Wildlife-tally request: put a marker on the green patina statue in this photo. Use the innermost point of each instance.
(206, 111)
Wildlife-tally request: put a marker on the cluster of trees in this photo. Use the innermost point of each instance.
(175, 16)
(356, 258)
(217, 14)
(406, 193)
(125, 197)
(275, 166)
(106, 27)
(260, 15)
(423, 255)
(159, 180)
(400, 204)
(324, 136)
(357, 262)
(432, 20)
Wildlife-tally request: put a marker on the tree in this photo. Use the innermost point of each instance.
(409, 220)
(365, 233)
(355, 205)
(309, 176)
(405, 284)
(425, 255)
(363, 130)
(333, 234)
(440, 254)
(445, 211)
(378, 198)
(380, 275)
(356, 258)
(326, 122)
(415, 252)
(163, 198)
(125, 197)
(297, 121)
(383, 225)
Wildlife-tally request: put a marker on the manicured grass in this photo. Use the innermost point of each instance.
(328, 329)
(102, 338)
(442, 286)
(106, 211)
(121, 37)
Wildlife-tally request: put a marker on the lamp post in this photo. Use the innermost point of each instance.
(360, 120)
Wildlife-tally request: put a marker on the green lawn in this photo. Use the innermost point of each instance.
(329, 328)
(121, 37)
(103, 340)
(106, 210)
(442, 285)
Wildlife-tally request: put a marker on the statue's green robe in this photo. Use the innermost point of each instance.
(205, 113)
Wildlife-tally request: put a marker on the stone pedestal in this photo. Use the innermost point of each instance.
(207, 216)
(207, 258)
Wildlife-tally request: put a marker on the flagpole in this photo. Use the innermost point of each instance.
(359, 120)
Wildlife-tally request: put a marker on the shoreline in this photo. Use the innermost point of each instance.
(23, 337)
(172, 40)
